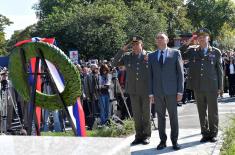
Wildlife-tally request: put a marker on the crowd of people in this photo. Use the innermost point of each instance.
(138, 83)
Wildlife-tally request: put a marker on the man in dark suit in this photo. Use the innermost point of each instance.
(166, 82)
(206, 80)
(136, 65)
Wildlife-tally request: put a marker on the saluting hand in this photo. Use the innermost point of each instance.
(125, 48)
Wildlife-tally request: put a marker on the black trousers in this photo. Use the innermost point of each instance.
(231, 82)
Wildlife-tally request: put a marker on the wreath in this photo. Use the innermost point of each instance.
(56, 56)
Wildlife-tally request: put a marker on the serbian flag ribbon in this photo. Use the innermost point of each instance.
(38, 86)
(76, 111)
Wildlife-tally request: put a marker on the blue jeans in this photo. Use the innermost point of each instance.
(104, 108)
(57, 126)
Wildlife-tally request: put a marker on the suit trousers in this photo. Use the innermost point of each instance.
(208, 100)
(141, 114)
(162, 103)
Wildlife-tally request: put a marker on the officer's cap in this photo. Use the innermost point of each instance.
(203, 31)
(136, 39)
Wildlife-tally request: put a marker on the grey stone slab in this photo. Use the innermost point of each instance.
(31, 145)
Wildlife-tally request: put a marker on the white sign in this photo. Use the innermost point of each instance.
(73, 55)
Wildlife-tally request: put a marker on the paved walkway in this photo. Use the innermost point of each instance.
(189, 133)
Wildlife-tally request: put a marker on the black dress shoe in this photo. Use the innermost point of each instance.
(176, 146)
(204, 139)
(136, 142)
(161, 146)
(213, 139)
(146, 141)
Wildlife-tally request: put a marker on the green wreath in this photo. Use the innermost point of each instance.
(69, 71)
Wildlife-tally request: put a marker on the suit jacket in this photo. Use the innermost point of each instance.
(168, 79)
(205, 71)
(136, 72)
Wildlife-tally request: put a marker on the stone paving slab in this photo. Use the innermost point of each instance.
(31, 145)
(188, 139)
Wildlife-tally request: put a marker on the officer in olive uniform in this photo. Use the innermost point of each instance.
(205, 79)
(137, 86)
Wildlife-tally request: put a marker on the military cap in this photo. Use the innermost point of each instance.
(203, 31)
(136, 39)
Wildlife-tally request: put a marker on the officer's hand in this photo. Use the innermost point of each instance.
(146, 58)
(179, 97)
(125, 48)
(151, 99)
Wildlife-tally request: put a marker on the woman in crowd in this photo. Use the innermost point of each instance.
(104, 84)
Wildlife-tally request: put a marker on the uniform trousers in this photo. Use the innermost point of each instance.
(141, 114)
(207, 106)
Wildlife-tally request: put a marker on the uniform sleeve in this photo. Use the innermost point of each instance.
(150, 77)
(119, 59)
(219, 69)
(180, 72)
(184, 52)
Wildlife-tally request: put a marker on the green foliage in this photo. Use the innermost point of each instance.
(4, 21)
(228, 147)
(211, 14)
(145, 22)
(98, 29)
(20, 35)
(113, 130)
(226, 37)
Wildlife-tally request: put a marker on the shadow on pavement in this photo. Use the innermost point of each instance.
(167, 150)
(190, 136)
(226, 100)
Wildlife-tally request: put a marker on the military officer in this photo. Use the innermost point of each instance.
(205, 79)
(136, 64)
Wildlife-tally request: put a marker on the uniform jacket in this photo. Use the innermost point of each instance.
(205, 71)
(168, 79)
(136, 71)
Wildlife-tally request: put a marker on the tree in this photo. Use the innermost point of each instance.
(98, 28)
(20, 35)
(4, 21)
(145, 22)
(226, 38)
(212, 14)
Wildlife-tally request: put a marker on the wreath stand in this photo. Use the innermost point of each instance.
(32, 120)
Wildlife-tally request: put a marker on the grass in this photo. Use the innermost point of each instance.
(111, 130)
(228, 147)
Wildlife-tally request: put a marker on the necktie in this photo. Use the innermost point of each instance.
(161, 58)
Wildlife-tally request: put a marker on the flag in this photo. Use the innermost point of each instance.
(78, 113)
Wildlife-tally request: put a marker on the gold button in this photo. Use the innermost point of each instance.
(137, 68)
(137, 79)
(201, 74)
